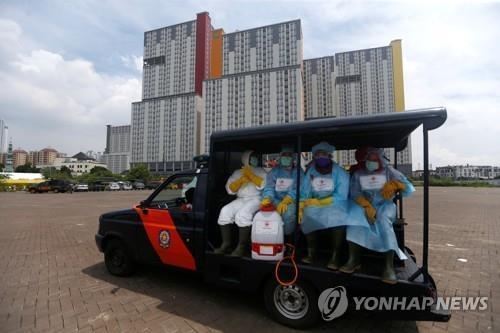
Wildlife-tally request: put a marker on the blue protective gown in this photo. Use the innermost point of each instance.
(319, 186)
(281, 182)
(379, 236)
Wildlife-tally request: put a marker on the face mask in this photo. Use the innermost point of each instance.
(371, 165)
(286, 161)
(323, 162)
(254, 161)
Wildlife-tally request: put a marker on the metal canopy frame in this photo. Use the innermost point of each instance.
(430, 119)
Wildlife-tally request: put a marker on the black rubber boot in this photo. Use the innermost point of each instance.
(227, 239)
(388, 274)
(243, 247)
(311, 248)
(338, 236)
(354, 261)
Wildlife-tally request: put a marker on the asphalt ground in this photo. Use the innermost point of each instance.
(52, 277)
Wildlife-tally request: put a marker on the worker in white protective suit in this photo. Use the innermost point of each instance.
(247, 184)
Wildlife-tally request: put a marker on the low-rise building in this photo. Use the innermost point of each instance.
(468, 171)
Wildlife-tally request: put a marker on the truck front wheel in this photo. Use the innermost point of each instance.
(294, 306)
(117, 258)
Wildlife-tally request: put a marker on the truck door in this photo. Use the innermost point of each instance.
(169, 222)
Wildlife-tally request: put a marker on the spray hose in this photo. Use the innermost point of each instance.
(291, 257)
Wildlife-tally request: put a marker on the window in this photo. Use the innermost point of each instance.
(177, 193)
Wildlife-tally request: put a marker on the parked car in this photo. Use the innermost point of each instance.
(54, 185)
(152, 185)
(113, 187)
(126, 186)
(97, 186)
(81, 187)
(138, 186)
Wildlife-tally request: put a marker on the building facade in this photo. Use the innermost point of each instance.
(260, 83)
(117, 152)
(19, 157)
(45, 156)
(357, 83)
(198, 80)
(468, 171)
(164, 125)
(4, 134)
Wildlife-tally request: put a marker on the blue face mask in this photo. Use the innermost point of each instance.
(371, 165)
(323, 162)
(253, 161)
(286, 161)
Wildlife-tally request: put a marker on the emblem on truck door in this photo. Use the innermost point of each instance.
(164, 238)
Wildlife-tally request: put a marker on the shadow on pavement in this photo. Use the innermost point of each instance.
(185, 295)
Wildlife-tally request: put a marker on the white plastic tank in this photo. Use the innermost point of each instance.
(267, 236)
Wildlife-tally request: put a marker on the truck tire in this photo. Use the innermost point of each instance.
(294, 306)
(118, 259)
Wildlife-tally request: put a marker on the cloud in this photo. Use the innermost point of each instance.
(72, 68)
(60, 102)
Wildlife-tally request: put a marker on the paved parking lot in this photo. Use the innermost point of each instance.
(52, 277)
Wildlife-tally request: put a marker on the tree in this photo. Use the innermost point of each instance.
(65, 170)
(27, 168)
(140, 171)
(99, 171)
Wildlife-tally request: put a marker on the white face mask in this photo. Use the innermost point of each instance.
(371, 165)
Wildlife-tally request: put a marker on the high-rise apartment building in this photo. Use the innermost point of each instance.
(4, 133)
(261, 79)
(117, 153)
(357, 83)
(164, 126)
(19, 157)
(198, 80)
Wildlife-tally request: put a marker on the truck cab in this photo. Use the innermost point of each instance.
(177, 225)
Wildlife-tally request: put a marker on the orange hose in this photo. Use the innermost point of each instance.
(291, 257)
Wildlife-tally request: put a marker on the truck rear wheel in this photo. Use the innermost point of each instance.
(294, 306)
(117, 258)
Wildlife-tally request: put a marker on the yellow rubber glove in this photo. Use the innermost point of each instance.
(390, 188)
(326, 201)
(266, 201)
(248, 172)
(235, 186)
(283, 205)
(371, 213)
(311, 202)
(301, 211)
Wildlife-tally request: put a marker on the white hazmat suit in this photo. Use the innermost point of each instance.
(247, 203)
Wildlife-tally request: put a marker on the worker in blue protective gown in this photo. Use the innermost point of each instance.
(324, 202)
(372, 212)
(281, 188)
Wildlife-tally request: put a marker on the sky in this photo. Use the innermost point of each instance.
(68, 68)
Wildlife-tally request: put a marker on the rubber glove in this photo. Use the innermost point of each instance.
(235, 186)
(248, 172)
(326, 201)
(390, 188)
(311, 202)
(283, 205)
(265, 202)
(371, 213)
(301, 211)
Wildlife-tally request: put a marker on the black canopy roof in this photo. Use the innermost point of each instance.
(381, 130)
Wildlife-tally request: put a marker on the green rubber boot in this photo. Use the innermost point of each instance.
(311, 249)
(338, 236)
(242, 249)
(388, 274)
(354, 261)
(227, 239)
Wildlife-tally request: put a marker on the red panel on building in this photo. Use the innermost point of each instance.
(203, 36)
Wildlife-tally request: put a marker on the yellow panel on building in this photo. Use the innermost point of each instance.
(216, 54)
(397, 70)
